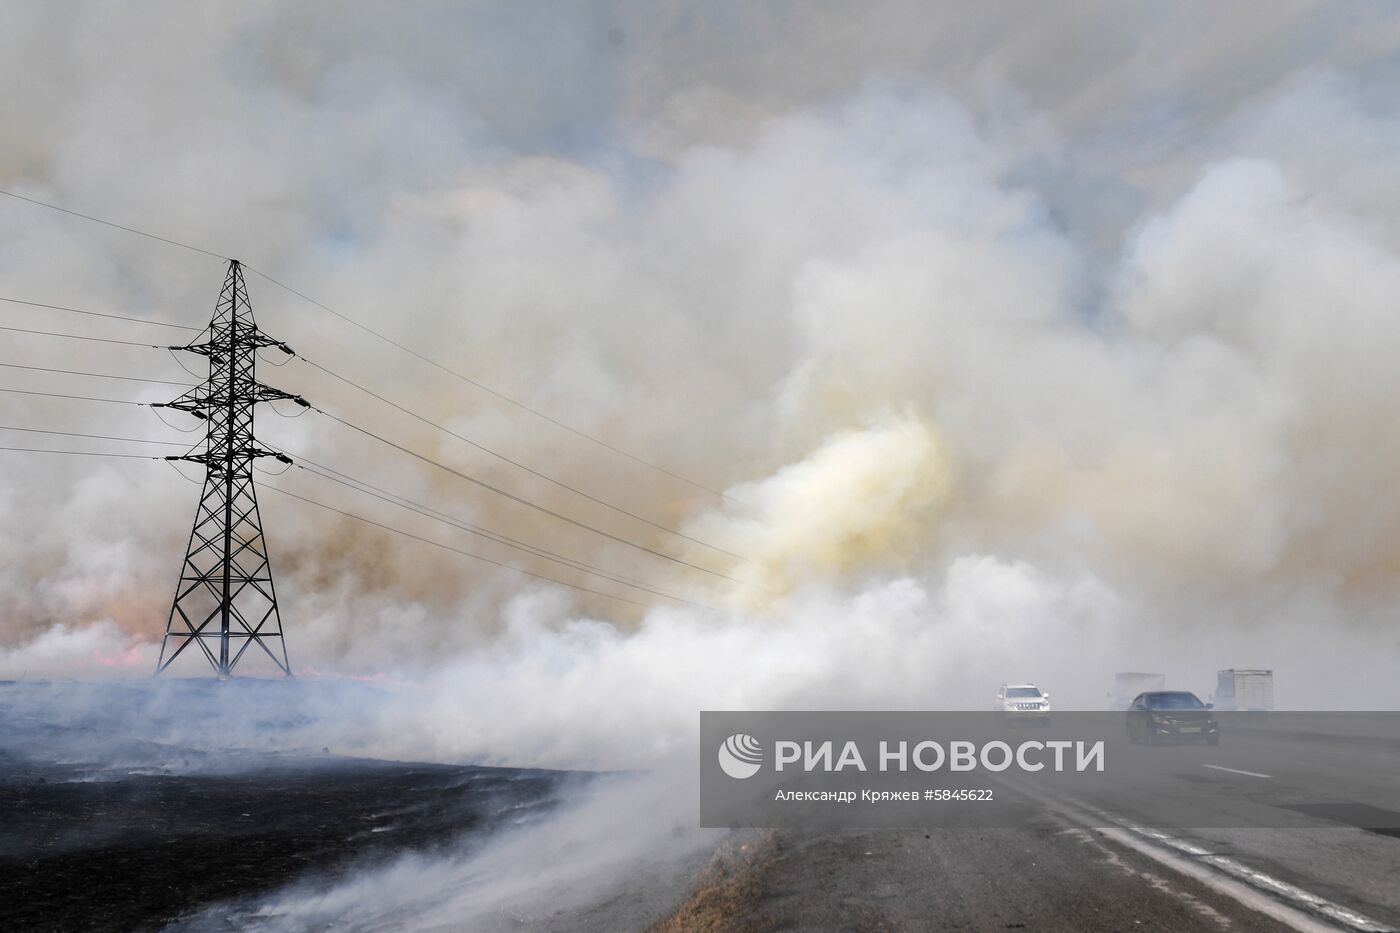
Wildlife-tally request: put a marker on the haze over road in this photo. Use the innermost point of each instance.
(1293, 822)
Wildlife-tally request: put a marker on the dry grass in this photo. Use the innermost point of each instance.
(727, 889)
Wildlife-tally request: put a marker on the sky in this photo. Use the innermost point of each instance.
(1025, 344)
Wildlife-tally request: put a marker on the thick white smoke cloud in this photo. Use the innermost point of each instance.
(1034, 352)
(1182, 401)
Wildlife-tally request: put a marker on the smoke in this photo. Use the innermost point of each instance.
(96, 650)
(862, 499)
(1020, 352)
(578, 856)
(906, 316)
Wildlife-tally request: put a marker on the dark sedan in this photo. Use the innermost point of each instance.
(1171, 716)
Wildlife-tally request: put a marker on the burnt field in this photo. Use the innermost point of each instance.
(135, 807)
(142, 851)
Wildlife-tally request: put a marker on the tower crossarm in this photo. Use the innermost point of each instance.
(217, 461)
(200, 399)
(251, 338)
(261, 393)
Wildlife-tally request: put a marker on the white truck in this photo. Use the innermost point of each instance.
(1128, 684)
(1239, 689)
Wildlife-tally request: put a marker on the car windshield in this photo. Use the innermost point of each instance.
(1174, 701)
(1022, 691)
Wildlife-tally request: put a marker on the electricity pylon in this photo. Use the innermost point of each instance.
(225, 601)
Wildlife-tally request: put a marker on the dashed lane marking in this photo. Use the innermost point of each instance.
(1237, 771)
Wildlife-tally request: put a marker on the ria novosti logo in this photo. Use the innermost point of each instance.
(740, 756)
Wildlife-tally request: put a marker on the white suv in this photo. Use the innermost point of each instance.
(1023, 703)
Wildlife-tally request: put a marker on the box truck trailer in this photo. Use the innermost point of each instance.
(1239, 689)
(1129, 684)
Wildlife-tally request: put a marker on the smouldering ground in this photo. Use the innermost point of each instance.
(138, 851)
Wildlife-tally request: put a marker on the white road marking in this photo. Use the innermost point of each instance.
(1289, 904)
(1114, 859)
(1237, 889)
(1237, 771)
(1348, 918)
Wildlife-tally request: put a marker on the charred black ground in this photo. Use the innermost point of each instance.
(134, 806)
(142, 851)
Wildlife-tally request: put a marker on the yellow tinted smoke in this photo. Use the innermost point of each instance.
(863, 498)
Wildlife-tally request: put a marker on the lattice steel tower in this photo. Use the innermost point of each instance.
(225, 601)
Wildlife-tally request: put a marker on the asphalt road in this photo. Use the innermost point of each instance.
(1049, 875)
(1306, 836)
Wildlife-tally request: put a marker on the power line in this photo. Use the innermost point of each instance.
(389, 340)
(96, 437)
(155, 410)
(111, 401)
(74, 372)
(415, 415)
(83, 453)
(51, 333)
(108, 223)
(115, 317)
(485, 388)
(359, 518)
(194, 482)
(468, 527)
(378, 492)
(448, 547)
(412, 414)
(181, 363)
(265, 471)
(301, 412)
(522, 501)
(81, 398)
(516, 463)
